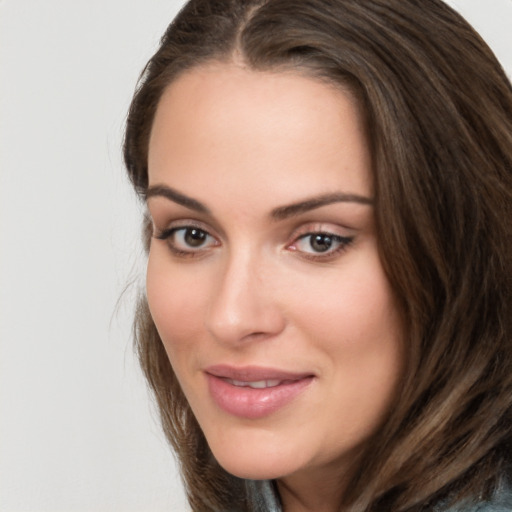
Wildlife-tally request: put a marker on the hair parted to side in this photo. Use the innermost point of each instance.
(439, 118)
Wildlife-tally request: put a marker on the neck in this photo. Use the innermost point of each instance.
(317, 492)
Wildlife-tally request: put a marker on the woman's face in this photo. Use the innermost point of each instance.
(264, 278)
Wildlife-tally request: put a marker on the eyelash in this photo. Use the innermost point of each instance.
(343, 242)
(168, 234)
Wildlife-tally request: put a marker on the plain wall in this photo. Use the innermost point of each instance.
(77, 430)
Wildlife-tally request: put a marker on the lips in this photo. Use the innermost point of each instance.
(254, 392)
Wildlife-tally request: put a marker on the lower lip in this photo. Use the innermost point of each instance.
(251, 403)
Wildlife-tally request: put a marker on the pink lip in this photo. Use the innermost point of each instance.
(253, 403)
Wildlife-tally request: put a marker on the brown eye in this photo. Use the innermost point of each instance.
(188, 240)
(194, 237)
(320, 242)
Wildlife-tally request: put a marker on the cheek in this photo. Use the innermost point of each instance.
(354, 323)
(355, 308)
(175, 303)
(356, 327)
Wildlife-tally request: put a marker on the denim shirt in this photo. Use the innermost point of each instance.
(264, 499)
(262, 496)
(500, 502)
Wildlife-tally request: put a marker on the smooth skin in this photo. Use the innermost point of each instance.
(235, 278)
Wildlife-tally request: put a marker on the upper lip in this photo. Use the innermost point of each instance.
(254, 373)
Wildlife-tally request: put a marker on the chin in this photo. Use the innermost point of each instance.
(255, 458)
(257, 468)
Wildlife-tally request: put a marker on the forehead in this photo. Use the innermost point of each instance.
(259, 130)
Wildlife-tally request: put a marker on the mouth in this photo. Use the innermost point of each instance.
(257, 384)
(254, 392)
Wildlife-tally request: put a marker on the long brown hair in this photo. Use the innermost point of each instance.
(439, 117)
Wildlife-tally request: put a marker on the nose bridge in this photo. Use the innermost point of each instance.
(243, 302)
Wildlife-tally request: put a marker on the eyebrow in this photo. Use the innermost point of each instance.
(280, 213)
(177, 197)
(283, 212)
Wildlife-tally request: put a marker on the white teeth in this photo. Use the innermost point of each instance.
(259, 384)
(273, 383)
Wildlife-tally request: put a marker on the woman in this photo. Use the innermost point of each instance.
(328, 315)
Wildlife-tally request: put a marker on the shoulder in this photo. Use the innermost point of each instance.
(500, 502)
(262, 496)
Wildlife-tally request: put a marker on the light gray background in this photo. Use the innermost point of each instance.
(77, 431)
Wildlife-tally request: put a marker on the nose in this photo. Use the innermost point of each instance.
(244, 305)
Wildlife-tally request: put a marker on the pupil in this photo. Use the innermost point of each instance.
(321, 243)
(195, 237)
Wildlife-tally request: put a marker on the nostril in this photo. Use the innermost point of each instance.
(256, 335)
